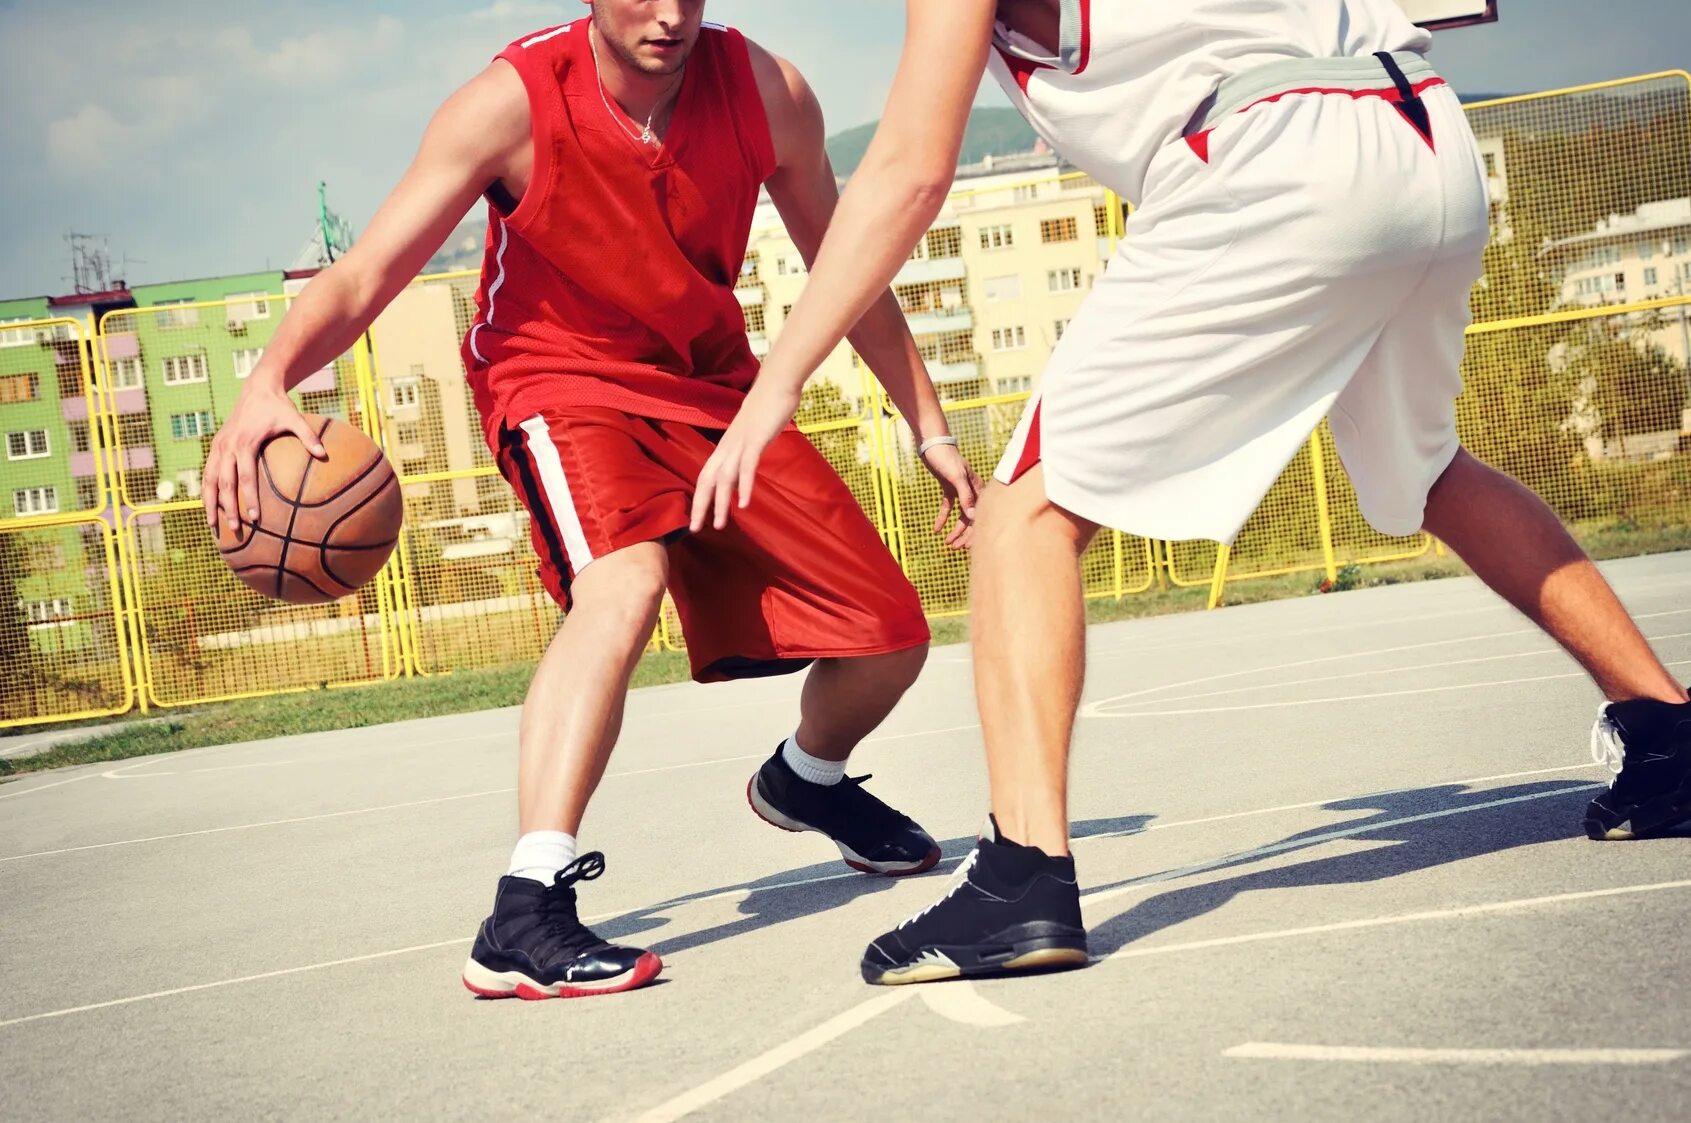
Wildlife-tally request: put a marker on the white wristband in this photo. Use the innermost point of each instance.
(935, 442)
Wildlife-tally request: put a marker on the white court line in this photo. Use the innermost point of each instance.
(1307, 841)
(1283, 684)
(413, 803)
(765, 1063)
(1091, 709)
(1274, 1051)
(660, 906)
(44, 787)
(1291, 703)
(1389, 921)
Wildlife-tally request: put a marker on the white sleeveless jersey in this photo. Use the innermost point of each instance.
(1130, 75)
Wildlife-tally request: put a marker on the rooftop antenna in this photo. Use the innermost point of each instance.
(331, 237)
(90, 262)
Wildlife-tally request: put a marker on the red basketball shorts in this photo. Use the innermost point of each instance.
(799, 575)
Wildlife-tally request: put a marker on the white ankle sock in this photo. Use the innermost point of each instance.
(817, 771)
(539, 855)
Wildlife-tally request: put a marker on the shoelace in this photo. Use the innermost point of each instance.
(560, 898)
(957, 881)
(1608, 748)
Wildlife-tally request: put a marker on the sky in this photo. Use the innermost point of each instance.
(192, 133)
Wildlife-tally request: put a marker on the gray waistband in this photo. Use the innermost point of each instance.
(1362, 72)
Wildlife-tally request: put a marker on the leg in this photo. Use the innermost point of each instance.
(1516, 545)
(573, 711)
(845, 700)
(1030, 651)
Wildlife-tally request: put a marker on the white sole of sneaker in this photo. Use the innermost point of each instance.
(514, 984)
(762, 808)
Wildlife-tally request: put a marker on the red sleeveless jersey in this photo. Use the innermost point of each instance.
(612, 283)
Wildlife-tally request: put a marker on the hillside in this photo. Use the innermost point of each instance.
(992, 132)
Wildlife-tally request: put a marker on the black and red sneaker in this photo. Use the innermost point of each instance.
(872, 837)
(534, 945)
(1647, 745)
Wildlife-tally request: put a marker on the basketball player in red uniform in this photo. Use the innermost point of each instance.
(621, 157)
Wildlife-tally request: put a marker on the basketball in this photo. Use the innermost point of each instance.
(324, 527)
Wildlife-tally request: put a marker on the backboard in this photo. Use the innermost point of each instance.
(1441, 14)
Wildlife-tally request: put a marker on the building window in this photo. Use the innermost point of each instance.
(1059, 230)
(36, 501)
(755, 324)
(244, 306)
(47, 611)
(246, 361)
(1063, 280)
(174, 317)
(1008, 287)
(997, 237)
(80, 440)
(1009, 339)
(12, 336)
(1058, 327)
(946, 242)
(179, 370)
(1491, 165)
(405, 392)
(126, 374)
(1101, 221)
(1650, 278)
(789, 266)
(191, 426)
(28, 445)
(1620, 282)
(1682, 245)
(20, 388)
(87, 493)
(1019, 385)
(1026, 192)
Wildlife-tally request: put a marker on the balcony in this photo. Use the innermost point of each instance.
(926, 272)
(967, 371)
(941, 321)
(134, 460)
(125, 345)
(127, 401)
(751, 296)
(760, 343)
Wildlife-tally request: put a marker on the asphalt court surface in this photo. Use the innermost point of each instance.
(1330, 846)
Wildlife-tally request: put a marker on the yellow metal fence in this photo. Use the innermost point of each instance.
(112, 596)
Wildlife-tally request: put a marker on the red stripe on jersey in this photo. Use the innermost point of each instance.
(1030, 450)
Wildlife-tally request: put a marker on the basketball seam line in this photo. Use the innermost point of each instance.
(363, 474)
(304, 476)
(325, 546)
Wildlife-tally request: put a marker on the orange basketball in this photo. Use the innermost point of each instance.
(324, 527)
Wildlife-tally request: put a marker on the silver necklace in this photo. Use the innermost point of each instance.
(646, 136)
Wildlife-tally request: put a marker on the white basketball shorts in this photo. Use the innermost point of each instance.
(1309, 254)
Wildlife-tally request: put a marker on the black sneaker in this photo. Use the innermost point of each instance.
(1011, 908)
(872, 837)
(534, 946)
(1647, 745)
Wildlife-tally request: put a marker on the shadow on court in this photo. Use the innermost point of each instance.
(1547, 812)
(777, 899)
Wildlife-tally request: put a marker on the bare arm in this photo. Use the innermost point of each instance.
(474, 139)
(804, 190)
(887, 208)
(806, 194)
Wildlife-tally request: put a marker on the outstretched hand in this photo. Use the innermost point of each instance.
(730, 473)
(962, 490)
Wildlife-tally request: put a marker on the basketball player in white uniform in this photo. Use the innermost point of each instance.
(1310, 215)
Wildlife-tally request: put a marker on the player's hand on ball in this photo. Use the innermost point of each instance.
(230, 483)
(732, 468)
(962, 490)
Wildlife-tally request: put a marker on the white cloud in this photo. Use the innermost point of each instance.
(85, 142)
(517, 9)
